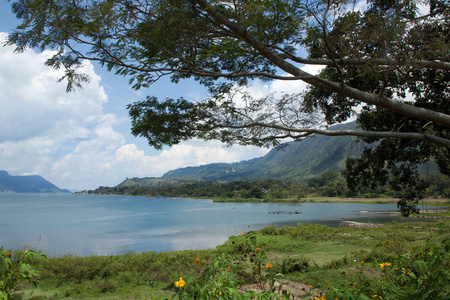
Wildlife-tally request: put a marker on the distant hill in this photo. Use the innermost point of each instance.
(26, 184)
(297, 161)
(154, 182)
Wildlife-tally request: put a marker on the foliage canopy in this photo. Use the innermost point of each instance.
(385, 61)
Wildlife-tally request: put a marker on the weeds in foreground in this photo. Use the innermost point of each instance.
(225, 277)
(422, 275)
(412, 275)
(16, 267)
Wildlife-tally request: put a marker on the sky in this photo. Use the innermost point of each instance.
(82, 140)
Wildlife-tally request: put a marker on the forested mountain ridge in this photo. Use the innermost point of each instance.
(27, 184)
(155, 182)
(296, 162)
(280, 174)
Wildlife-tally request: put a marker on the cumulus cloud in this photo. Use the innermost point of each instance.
(71, 139)
(286, 86)
(259, 89)
(42, 127)
(193, 153)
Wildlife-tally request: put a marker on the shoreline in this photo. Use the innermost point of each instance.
(443, 213)
(431, 201)
(426, 201)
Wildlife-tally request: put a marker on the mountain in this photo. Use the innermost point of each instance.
(154, 182)
(26, 184)
(296, 161)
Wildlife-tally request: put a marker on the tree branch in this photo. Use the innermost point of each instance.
(360, 133)
(440, 65)
(345, 90)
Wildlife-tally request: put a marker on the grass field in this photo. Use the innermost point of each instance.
(311, 257)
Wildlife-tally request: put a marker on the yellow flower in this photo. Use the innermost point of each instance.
(203, 261)
(180, 283)
(356, 284)
(268, 266)
(228, 269)
(196, 260)
(258, 249)
(384, 265)
(309, 286)
(321, 298)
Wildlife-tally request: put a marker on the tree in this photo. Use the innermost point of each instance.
(388, 64)
(324, 179)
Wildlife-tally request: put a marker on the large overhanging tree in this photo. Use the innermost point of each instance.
(388, 64)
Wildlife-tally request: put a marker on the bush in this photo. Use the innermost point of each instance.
(16, 267)
(297, 264)
(422, 275)
(222, 278)
(269, 230)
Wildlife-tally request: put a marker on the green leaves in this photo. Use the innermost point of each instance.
(168, 122)
(414, 275)
(15, 267)
(225, 277)
(145, 40)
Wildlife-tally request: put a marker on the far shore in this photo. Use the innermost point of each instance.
(427, 201)
(427, 206)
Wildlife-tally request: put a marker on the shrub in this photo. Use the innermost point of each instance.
(16, 267)
(222, 278)
(422, 275)
(297, 264)
(269, 230)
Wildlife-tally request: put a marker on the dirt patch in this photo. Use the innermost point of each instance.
(296, 289)
(359, 225)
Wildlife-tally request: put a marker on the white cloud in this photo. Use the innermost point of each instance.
(293, 86)
(46, 131)
(70, 139)
(193, 153)
(32, 101)
(360, 6)
(259, 89)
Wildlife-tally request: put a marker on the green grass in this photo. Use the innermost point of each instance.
(445, 213)
(312, 254)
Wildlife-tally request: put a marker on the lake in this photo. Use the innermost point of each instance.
(87, 225)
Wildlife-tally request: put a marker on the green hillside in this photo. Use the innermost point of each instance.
(154, 182)
(296, 161)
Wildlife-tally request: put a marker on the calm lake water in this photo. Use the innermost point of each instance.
(87, 225)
